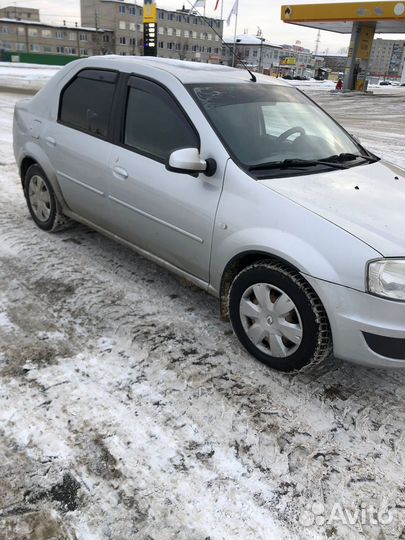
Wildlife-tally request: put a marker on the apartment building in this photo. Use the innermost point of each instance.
(19, 13)
(181, 34)
(29, 35)
(387, 58)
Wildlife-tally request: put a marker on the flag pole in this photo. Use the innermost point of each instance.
(234, 35)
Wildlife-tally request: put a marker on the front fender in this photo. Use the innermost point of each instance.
(253, 218)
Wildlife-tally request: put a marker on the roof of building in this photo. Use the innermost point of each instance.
(178, 11)
(246, 39)
(186, 72)
(48, 25)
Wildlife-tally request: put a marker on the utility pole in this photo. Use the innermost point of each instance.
(318, 42)
(260, 36)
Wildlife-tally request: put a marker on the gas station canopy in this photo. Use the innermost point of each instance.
(389, 17)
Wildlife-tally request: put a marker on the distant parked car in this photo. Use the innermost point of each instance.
(288, 77)
(238, 183)
(385, 83)
(319, 78)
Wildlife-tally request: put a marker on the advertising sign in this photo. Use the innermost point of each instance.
(149, 28)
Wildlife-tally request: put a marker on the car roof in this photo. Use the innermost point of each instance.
(186, 72)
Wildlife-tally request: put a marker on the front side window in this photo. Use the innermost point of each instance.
(154, 123)
(86, 102)
(264, 124)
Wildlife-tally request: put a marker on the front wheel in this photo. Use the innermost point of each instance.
(278, 317)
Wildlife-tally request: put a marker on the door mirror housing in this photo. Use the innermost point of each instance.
(188, 161)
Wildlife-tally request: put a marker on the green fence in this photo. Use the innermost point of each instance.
(33, 58)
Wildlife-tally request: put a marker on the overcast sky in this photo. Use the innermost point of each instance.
(252, 13)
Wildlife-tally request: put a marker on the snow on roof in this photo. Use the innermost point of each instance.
(246, 39)
(48, 25)
(340, 55)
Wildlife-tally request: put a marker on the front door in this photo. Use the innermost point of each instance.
(170, 215)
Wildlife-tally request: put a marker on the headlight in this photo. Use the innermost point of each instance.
(386, 277)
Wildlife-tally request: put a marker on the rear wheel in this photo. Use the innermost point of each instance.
(278, 317)
(42, 203)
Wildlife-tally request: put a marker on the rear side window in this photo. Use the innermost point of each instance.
(154, 124)
(86, 102)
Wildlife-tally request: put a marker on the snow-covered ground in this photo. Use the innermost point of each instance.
(129, 411)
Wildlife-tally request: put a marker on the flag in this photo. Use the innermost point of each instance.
(198, 3)
(234, 11)
(216, 5)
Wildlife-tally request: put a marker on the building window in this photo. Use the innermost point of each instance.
(161, 30)
(255, 53)
(60, 35)
(169, 45)
(161, 15)
(122, 9)
(170, 31)
(178, 32)
(122, 25)
(83, 37)
(216, 38)
(83, 52)
(178, 18)
(21, 30)
(123, 40)
(195, 20)
(32, 32)
(132, 10)
(4, 30)
(106, 39)
(140, 28)
(185, 47)
(216, 50)
(35, 48)
(186, 33)
(22, 47)
(160, 44)
(194, 48)
(209, 50)
(132, 26)
(132, 41)
(194, 35)
(72, 36)
(170, 16)
(209, 36)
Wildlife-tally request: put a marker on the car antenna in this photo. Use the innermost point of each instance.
(236, 56)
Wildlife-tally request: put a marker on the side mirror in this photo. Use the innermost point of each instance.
(188, 161)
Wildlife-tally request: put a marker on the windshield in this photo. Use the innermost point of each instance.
(268, 124)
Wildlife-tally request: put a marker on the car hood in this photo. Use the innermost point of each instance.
(368, 201)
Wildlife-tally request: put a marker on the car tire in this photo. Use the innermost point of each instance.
(278, 318)
(44, 208)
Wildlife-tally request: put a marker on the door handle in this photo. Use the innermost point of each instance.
(120, 173)
(50, 141)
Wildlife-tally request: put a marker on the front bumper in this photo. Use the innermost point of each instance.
(366, 329)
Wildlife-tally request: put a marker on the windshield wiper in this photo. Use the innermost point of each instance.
(349, 157)
(296, 164)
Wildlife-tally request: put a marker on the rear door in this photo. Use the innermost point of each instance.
(168, 214)
(78, 144)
